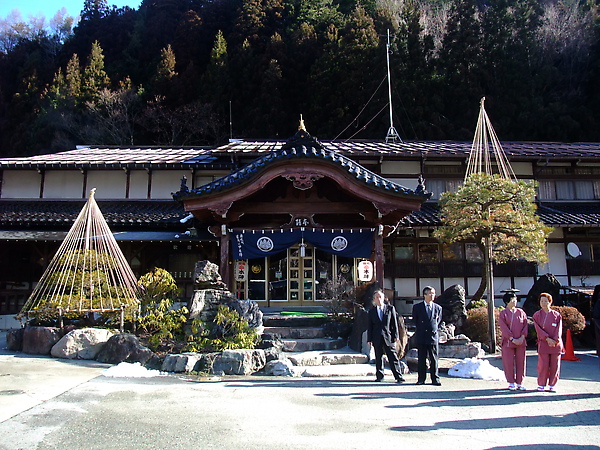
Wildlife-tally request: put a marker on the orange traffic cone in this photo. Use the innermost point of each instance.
(569, 354)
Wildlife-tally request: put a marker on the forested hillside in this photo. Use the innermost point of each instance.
(174, 72)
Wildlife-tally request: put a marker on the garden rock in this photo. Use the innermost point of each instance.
(184, 362)
(546, 283)
(205, 303)
(453, 302)
(14, 340)
(207, 276)
(84, 343)
(239, 362)
(280, 368)
(40, 340)
(359, 329)
(125, 347)
(249, 310)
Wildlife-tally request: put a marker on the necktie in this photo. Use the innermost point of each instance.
(429, 311)
(380, 310)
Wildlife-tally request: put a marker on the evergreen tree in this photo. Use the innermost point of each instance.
(94, 76)
(73, 78)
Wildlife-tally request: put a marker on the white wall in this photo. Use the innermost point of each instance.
(406, 287)
(165, 182)
(108, 183)
(398, 167)
(63, 184)
(138, 184)
(410, 183)
(557, 263)
(21, 184)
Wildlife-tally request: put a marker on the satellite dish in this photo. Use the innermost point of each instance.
(573, 250)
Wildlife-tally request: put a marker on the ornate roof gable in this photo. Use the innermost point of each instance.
(302, 146)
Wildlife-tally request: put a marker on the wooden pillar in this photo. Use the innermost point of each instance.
(379, 255)
(225, 259)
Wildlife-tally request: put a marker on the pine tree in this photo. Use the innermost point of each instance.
(94, 76)
(73, 78)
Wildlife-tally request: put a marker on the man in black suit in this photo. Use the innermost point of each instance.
(427, 316)
(382, 334)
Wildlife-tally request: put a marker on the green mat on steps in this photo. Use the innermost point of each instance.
(305, 314)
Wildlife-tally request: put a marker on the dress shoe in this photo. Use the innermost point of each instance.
(420, 382)
(378, 380)
(437, 383)
(400, 380)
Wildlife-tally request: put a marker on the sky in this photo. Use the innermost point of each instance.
(48, 8)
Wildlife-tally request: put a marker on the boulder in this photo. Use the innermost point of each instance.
(280, 368)
(238, 362)
(359, 328)
(184, 362)
(453, 303)
(84, 343)
(124, 347)
(14, 340)
(40, 340)
(207, 276)
(249, 310)
(205, 303)
(546, 283)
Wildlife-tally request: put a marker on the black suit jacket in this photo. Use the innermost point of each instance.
(386, 329)
(427, 329)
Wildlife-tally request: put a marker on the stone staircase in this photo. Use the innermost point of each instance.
(306, 346)
(300, 333)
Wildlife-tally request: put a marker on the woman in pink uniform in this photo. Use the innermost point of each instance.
(548, 325)
(513, 324)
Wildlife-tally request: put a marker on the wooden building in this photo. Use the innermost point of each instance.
(237, 193)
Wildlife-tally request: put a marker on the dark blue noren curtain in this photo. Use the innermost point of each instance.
(257, 244)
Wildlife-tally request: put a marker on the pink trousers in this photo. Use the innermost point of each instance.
(513, 363)
(548, 368)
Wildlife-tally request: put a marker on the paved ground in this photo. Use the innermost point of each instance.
(53, 404)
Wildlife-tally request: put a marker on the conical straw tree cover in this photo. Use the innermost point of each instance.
(88, 273)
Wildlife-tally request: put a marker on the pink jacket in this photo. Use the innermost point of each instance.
(513, 325)
(548, 324)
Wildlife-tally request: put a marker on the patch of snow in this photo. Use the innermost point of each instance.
(131, 370)
(476, 368)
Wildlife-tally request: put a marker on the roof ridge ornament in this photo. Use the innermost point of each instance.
(302, 138)
(301, 127)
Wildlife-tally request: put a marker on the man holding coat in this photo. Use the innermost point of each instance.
(382, 334)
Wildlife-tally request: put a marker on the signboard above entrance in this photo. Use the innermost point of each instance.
(355, 243)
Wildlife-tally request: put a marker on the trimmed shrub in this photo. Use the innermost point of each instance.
(476, 325)
(572, 319)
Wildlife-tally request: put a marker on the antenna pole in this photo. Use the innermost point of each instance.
(230, 122)
(392, 134)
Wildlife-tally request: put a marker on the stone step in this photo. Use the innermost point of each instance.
(296, 333)
(341, 356)
(305, 345)
(276, 320)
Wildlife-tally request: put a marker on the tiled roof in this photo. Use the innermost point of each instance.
(122, 214)
(421, 149)
(179, 157)
(128, 215)
(571, 213)
(94, 157)
(304, 146)
(552, 214)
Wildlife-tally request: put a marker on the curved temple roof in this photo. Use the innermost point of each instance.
(302, 146)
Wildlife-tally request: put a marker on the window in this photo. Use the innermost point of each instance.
(568, 190)
(473, 253)
(438, 187)
(406, 251)
(452, 252)
(428, 253)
